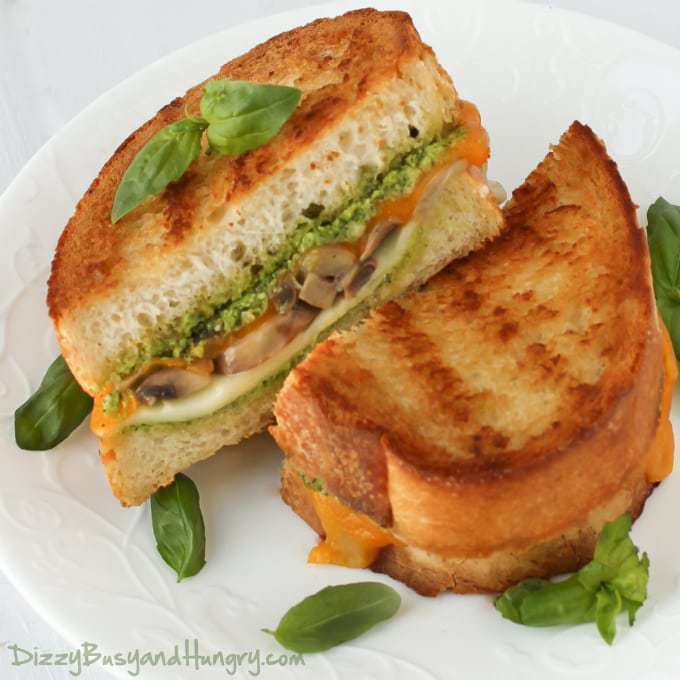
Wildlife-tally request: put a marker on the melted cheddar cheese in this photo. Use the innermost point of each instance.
(352, 538)
(473, 148)
(660, 457)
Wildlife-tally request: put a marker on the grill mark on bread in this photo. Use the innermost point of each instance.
(508, 330)
(180, 207)
(488, 440)
(471, 301)
(417, 353)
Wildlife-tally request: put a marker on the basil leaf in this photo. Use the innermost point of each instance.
(608, 605)
(335, 615)
(163, 159)
(663, 237)
(509, 603)
(543, 603)
(244, 115)
(178, 526)
(613, 548)
(57, 407)
(615, 580)
(631, 582)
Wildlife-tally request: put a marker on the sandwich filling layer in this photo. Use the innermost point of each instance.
(330, 265)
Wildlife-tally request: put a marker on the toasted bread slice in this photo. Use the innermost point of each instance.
(117, 289)
(495, 419)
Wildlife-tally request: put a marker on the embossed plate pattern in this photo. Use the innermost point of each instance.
(90, 567)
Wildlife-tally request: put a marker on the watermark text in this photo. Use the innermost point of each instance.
(188, 656)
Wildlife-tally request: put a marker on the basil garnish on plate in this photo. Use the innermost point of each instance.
(57, 407)
(615, 581)
(238, 115)
(335, 615)
(663, 236)
(178, 526)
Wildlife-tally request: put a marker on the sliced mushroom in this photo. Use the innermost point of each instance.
(313, 210)
(332, 261)
(133, 379)
(286, 294)
(377, 236)
(272, 336)
(318, 292)
(136, 378)
(360, 277)
(170, 383)
(498, 191)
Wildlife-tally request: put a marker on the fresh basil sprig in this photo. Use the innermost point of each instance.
(238, 115)
(163, 159)
(244, 115)
(663, 236)
(56, 408)
(615, 581)
(335, 615)
(178, 526)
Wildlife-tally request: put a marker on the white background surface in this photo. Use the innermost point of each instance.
(56, 56)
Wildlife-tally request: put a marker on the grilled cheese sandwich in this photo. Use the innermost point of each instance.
(183, 318)
(482, 430)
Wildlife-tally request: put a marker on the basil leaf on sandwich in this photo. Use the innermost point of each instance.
(239, 116)
(163, 159)
(178, 526)
(663, 236)
(245, 115)
(335, 615)
(56, 408)
(614, 582)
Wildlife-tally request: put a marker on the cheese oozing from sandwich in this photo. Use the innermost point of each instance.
(662, 450)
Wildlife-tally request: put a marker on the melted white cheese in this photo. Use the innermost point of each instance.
(224, 389)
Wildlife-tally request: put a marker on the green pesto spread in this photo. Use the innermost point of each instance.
(248, 296)
(273, 383)
(314, 483)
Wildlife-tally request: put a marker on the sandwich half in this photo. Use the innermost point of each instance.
(482, 430)
(184, 317)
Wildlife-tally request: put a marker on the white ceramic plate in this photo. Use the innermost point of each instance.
(91, 569)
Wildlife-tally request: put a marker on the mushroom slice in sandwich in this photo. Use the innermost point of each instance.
(184, 317)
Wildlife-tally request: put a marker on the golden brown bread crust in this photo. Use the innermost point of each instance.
(369, 48)
(509, 403)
